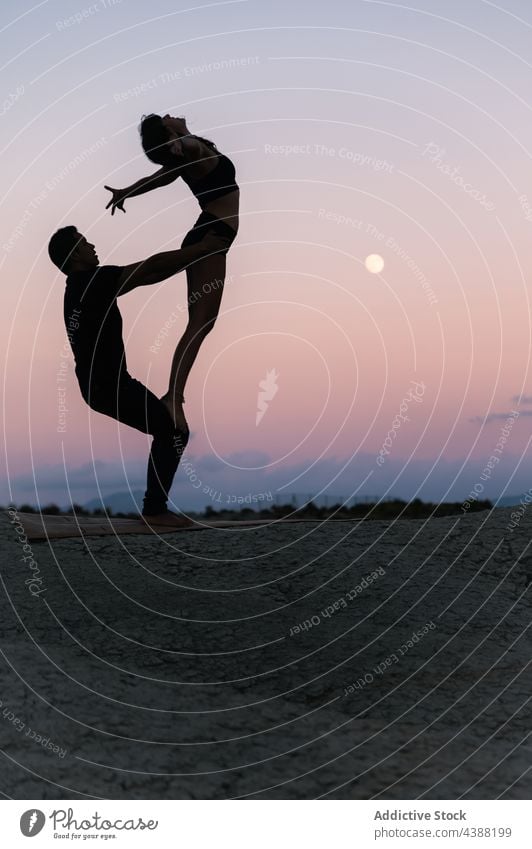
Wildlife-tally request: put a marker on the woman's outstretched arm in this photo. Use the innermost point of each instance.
(163, 177)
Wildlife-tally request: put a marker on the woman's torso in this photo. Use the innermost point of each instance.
(214, 169)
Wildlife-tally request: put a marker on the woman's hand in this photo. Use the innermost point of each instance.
(117, 200)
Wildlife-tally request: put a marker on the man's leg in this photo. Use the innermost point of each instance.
(166, 452)
(133, 404)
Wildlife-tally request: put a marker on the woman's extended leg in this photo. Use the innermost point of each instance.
(205, 283)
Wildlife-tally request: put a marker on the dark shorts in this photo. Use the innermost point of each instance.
(209, 222)
(128, 401)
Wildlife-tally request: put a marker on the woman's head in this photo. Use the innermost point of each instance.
(176, 125)
(155, 137)
(160, 138)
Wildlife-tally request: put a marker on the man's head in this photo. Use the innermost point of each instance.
(70, 251)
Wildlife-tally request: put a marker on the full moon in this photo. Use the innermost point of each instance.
(374, 263)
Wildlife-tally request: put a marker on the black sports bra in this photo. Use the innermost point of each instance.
(217, 183)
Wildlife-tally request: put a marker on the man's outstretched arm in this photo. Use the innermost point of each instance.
(161, 266)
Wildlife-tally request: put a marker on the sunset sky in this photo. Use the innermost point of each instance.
(358, 127)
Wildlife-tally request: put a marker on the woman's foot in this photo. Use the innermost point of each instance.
(174, 405)
(168, 520)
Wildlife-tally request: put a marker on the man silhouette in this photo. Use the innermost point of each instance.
(94, 330)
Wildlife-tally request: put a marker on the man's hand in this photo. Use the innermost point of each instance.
(117, 200)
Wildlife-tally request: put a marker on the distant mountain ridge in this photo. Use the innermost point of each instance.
(512, 500)
(131, 502)
(118, 502)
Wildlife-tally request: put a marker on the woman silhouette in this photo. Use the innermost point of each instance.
(210, 175)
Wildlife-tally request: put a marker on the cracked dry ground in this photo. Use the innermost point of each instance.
(166, 669)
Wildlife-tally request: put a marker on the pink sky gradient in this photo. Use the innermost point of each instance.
(328, 117)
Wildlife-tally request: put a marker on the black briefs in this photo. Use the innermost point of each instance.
(205, 222)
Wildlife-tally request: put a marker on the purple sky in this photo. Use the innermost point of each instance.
(356, 128)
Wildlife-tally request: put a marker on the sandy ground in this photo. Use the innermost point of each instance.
(176, 667)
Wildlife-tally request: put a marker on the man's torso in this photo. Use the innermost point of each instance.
(94, 326)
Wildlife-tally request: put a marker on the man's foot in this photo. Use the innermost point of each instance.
(174, 405)
(167, 520)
